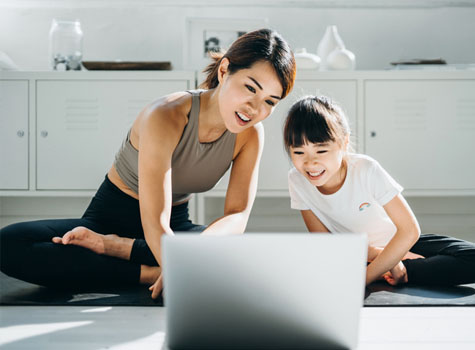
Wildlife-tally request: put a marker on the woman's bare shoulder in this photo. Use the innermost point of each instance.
(168, 112)
(172, 106)
(252, 136)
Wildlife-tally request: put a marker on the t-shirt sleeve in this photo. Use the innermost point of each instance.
(296, 200)
(384, 187)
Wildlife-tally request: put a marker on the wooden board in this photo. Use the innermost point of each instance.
(111, 65)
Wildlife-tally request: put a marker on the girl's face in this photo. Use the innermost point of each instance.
(320, 163)
(247, 96)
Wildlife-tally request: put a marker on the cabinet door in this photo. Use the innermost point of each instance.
(275, 163)
(13, 135)
(81, 125)
(423, 132)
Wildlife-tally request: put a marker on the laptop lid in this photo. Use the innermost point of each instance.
(276, 291)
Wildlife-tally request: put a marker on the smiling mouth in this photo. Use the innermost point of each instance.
(243, 117)
(315, 175)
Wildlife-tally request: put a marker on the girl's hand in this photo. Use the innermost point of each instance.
(157, 287)
(410, 255)
(397, 275)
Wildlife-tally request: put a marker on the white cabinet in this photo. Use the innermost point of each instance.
(14, 134)
(419, 125)
(81, 124)
(423, 132)
(275, 163)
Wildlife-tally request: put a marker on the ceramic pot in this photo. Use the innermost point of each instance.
(306, 60)
(330, 41)
(341, 59)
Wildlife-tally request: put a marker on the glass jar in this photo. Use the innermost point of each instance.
(65, 40)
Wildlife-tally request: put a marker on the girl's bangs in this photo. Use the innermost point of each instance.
(306, 128)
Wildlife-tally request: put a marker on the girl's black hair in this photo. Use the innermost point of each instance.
(314, 119)
(260, 45)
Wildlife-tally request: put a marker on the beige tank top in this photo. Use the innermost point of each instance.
(196, 166)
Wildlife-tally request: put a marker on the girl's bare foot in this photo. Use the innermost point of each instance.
(111, 244)
(149, 274)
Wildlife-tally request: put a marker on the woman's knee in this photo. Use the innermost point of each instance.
(10, 246)
(17, 239)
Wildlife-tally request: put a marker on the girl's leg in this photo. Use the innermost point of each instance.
(448, 261)
(28, 253)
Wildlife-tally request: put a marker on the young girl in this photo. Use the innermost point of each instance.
(338, 191)
(180, 144)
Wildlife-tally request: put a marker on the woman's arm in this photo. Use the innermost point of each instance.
(313, 223)
(407, 234)
(160, 130)
(242, 186)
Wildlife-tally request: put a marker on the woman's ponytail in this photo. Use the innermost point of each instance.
(211, 71)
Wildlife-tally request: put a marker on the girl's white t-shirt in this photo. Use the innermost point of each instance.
(357, 206)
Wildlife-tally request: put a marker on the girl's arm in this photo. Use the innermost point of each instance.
(313, 223)
(242, 186)
(407, 234)
(160, 132)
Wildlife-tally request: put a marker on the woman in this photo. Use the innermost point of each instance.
(180, 144)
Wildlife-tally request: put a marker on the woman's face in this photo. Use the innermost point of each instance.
(248, 96)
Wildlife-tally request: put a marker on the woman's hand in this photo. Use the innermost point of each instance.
(410, 255)
(157, 287)
(397, 275)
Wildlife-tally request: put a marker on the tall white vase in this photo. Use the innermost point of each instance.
(331, 40)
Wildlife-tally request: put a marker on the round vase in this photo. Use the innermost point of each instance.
(341, 59)
(306, 60)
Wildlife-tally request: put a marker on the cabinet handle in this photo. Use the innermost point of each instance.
(373, 134)
(20, 133)
(44, 133)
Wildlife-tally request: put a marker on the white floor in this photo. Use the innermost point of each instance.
(120, 328)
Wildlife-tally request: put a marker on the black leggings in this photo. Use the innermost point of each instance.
(448, 261)
(27, 252)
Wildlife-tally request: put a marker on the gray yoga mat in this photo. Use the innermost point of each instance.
(16, 292)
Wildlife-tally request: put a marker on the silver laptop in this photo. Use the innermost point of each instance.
(264, 291)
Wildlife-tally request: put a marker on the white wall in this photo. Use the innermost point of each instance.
(147, 30)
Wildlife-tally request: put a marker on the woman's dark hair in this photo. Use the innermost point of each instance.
(260, 45)
(315, 119)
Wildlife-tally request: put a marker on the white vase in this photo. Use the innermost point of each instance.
(330, 41)
(306, 60)
(341, 59)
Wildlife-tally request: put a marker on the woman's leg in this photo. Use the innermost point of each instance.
(123, 219)
(179, 222)
(448, 261)
(28, 253)
(110, 244)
